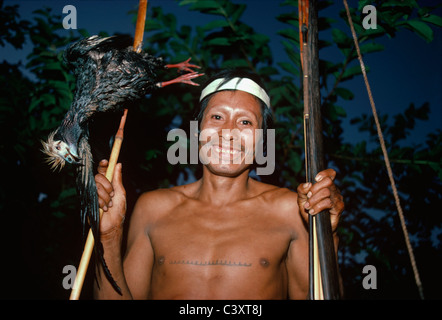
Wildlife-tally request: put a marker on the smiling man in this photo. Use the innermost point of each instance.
(225, 236)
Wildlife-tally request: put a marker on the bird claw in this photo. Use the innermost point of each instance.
(185, 78)
(183, 66)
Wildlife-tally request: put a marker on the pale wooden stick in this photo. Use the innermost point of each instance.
(319, 294)
(89, 245)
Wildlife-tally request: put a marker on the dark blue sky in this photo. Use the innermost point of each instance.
(409, 70)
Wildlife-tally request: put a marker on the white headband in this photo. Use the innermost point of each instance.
(242, 84)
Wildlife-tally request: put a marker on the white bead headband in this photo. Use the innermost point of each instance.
(242, 84)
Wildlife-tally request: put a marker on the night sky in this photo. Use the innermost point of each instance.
(409, 70)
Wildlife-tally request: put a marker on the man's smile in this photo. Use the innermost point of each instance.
(219, 149)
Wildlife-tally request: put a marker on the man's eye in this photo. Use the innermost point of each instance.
(216, 117)
(246, 122)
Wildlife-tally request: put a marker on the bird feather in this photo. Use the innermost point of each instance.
(109, 75)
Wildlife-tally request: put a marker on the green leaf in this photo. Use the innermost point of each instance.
(433, 19)
(340, 37)
(237, 13)
(399, 3)
(53, 66)
(371, 47)
(186, 2)
(294, 161)
(201, 5)
(215, 24)
(288, 18)
(259, 39)
(219, 42)
(336, 111)
(235, 63)
(344, 93)
(152, 25)
(289, 68)
(289, 34)
(421, 28)
(351, 72)
(34, 103)
(152, 154)
(49, 99)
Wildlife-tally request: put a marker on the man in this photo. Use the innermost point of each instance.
(225, 236)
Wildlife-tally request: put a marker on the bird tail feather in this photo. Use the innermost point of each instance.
(90, 214)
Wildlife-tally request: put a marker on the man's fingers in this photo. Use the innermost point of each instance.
(104, 197)
(104, 183)
(117, 181)
(324, 204)
(303, 190)
(324, 182)
(102, 166)
(314, 198)
(330, 173)
(105, 189)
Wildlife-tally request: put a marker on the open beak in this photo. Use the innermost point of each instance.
(71, 156)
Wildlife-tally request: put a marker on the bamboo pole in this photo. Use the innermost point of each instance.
(89, 245)
(90, 241)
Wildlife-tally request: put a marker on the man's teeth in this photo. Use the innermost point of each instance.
(229, 151)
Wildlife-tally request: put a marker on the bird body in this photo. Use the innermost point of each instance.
(109, 74)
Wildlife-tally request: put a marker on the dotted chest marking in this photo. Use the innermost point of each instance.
(217, 262)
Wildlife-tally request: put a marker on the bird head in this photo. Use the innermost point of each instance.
(59, 152)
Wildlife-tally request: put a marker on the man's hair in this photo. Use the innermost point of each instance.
(227, 75)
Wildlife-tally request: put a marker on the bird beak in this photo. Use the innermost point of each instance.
(71, 155)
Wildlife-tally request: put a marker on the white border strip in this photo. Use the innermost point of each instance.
(242, 84)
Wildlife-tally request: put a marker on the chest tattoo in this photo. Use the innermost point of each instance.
(217, 262)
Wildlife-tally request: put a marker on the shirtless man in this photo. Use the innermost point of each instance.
(225, 236)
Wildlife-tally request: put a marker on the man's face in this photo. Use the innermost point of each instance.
(227, 141)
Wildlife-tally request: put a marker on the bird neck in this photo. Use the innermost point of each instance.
(72, 128)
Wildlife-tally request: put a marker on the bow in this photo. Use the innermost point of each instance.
(323, 271)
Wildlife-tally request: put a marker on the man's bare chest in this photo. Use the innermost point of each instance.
(237, 236)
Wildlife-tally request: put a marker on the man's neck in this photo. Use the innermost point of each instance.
(222, 190)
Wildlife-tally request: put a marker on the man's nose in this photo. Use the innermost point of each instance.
(229, 131)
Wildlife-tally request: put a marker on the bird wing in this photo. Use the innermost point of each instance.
(93, 48)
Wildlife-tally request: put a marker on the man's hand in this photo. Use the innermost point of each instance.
(112, 199)
(323, 195)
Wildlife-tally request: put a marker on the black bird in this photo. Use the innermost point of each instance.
(109, 74)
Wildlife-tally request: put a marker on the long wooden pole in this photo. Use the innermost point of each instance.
(89, 245)
(324, 278)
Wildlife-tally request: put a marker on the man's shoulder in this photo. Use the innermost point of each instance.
(152, 205)
(160, 196)
(282, 200)
(275, 193)
(167, 196)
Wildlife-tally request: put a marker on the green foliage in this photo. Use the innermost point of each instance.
(12, 29)
(33, 104)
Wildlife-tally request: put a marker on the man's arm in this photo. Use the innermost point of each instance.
(133, 273)
(297, 254)
(112, 199)
(323, 195)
